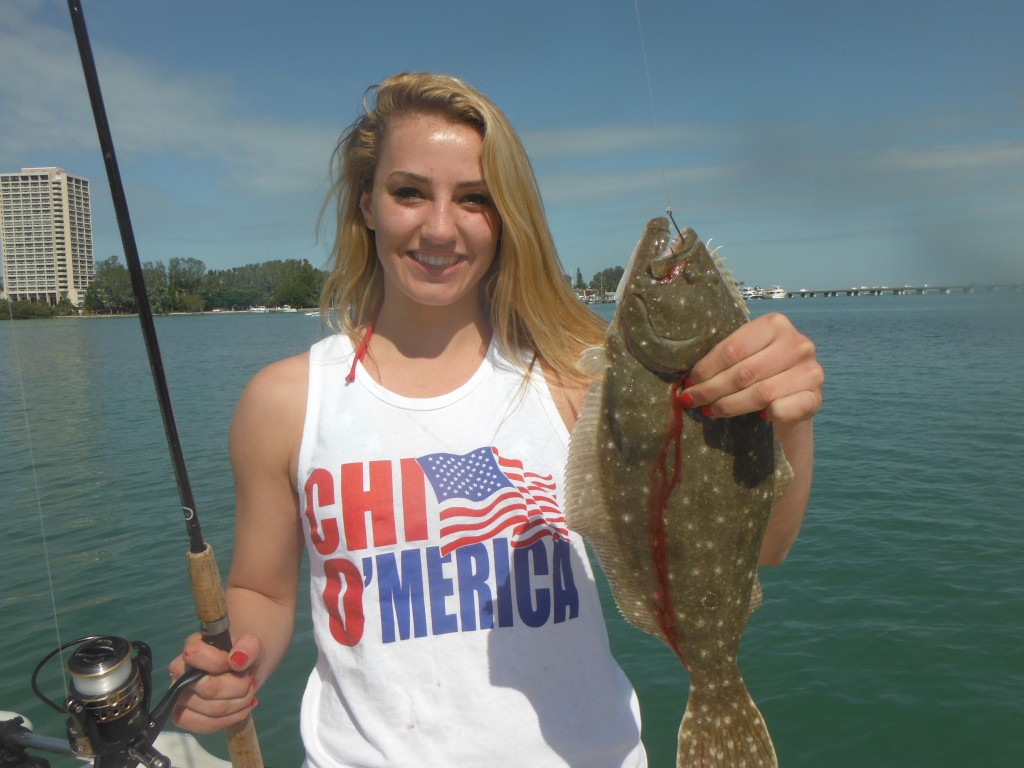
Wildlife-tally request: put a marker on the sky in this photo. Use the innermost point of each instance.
(819, 144)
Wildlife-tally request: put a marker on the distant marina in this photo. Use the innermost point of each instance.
(778, 292)
(751, 292)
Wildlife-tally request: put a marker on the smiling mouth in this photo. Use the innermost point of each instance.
(434, 260)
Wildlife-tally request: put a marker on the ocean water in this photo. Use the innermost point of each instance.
(892, 636)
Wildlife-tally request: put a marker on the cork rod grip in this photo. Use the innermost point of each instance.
(212, 609)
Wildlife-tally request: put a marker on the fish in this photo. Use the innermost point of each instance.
(674, 504)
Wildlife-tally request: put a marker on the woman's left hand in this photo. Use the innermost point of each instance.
(765, 365)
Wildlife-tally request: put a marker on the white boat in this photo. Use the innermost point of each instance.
(776, 292)
(285, 308)
(260, 310)
(751, 292)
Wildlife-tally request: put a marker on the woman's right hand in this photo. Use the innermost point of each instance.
(226, 694)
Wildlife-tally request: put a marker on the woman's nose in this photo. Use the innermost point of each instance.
(439, 224)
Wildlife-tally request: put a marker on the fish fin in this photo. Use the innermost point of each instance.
(730, 281)
(620, 289)
(581, 467)
(756, 594)
(587, 513)
(720, 731)
(783, 473)
(593, 361)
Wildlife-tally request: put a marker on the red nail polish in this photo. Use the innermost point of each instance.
(253, 703)
(686, 400)
(705, 410)
(687, 382)
(239, 658)
(763, 413)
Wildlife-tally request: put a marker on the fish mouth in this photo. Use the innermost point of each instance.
(657, 351)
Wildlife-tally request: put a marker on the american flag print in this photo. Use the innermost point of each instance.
(482, 494)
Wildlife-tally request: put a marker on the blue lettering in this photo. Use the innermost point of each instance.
(534, 617)
(503, 580)
(567, 598)
(473, 568)
(441, 587)
(531, 585)
(401, 595)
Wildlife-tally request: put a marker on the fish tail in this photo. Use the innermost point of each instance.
(724, 731)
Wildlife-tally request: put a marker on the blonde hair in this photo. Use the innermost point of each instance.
(531, 305)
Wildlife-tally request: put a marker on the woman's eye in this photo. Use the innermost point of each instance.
(477, 198)
(407, 193)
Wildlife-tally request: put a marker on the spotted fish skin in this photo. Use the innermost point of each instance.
(675, 505)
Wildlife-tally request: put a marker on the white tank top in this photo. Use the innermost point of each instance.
(457, 620)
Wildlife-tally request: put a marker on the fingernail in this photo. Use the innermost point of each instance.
(239, 658)
(705, 410)
(763, 413)
(687, 382)
(253, 703)
(686, 400)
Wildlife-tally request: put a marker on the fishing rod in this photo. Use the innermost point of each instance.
(207, 588)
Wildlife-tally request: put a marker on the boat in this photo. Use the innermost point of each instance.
(285, 308)
(776, 292)
(751, 292)
(259, 310)
(182, 749)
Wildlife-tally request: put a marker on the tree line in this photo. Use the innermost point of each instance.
(186, 285)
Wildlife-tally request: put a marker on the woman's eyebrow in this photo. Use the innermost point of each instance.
(401, 175)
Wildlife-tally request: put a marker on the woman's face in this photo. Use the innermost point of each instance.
(435, 224)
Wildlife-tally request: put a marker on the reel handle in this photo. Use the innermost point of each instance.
(212, 609)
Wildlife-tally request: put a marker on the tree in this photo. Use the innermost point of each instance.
(299, 284)
(184, 278)
(110, 291)
(154, 275)
(607, 279)
(25, 310)
(580, 285)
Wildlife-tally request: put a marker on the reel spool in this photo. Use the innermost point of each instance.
(108, 701)
(110, 694)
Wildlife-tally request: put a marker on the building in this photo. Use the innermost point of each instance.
(45, 236)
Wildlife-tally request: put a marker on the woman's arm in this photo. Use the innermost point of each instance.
(262, 584)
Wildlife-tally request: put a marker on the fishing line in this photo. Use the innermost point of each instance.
(207, 587)
(654, 118)
(35, 487)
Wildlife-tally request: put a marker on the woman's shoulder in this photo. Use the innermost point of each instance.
(278, 391)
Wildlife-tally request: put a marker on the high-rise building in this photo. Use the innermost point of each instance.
(45, 235)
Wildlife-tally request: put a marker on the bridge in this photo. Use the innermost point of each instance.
(903, 290)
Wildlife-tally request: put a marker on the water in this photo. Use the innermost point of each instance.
(890, 637)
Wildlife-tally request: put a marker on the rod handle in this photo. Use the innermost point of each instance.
(212, 609)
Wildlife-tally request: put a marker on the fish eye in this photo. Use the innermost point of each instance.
(690, 273)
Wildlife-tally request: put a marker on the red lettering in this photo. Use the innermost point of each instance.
(414, 505)
(346, 615)
(319, 494)
(378, 499)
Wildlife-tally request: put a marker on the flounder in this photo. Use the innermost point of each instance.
(674, 504)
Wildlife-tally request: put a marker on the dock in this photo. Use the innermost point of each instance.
(904, 290)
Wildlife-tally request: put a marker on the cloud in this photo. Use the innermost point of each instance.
(186, 119)
(600, 141)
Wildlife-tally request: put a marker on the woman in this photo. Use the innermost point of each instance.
(451, 385)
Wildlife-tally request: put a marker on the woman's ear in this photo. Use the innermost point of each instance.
(366, 208)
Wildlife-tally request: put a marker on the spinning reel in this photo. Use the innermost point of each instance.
(108, 711)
